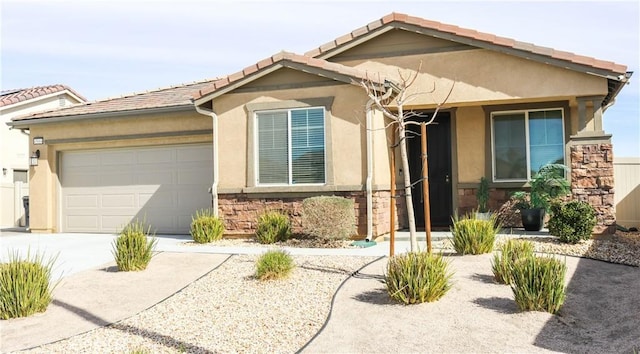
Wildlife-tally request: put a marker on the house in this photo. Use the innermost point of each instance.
(293, 126)
(14, 151)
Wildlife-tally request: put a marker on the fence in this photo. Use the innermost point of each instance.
(627, 191)
(11, 207)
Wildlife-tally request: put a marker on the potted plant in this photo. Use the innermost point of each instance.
(547, 184)
(482, 195)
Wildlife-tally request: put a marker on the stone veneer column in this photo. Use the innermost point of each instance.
(592, 181)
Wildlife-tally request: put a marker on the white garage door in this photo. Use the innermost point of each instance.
(103, 190)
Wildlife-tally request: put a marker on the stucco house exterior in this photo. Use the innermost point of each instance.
(298, 125)
(14, 143)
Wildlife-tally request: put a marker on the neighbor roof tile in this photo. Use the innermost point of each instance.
(10, 97)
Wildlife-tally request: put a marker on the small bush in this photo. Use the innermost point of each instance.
(538, 284)
(328, 218)
(273, 226)
(417, 277)
(206, 227)
(25, 285)
(274, 264)
(132, 249)
(474, 236)
(510, 252)
(572, 221)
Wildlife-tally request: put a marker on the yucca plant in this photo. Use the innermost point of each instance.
(206, 227)
(273, 226)
(474, 236)
(538, 284)
(133, 248)
(25, 285)
(417, 277)
(510, 252)
(275, 264)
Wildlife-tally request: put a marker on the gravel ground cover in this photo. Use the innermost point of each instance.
(228, 311)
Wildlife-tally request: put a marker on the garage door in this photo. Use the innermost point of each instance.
(103, 190)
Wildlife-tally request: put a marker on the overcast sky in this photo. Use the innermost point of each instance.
(109, 48)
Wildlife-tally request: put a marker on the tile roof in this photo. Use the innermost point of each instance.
(174, 96)
(287, 59)
(10, 97)
(324, 51)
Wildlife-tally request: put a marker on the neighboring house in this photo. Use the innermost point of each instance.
(293, 126)
(14, 149)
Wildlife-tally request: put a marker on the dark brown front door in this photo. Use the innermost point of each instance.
(439, 161)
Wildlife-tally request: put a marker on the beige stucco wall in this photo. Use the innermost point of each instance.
(346, 147)
(470, 141)
(65, 136)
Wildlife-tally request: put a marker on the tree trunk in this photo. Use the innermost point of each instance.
(407, 185)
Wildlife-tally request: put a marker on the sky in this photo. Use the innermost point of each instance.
(104, 49)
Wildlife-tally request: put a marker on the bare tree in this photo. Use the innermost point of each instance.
(391, 103)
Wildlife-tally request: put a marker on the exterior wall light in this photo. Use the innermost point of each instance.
(33, 160)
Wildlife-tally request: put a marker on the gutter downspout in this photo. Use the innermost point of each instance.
(214, 184)
(368, 185)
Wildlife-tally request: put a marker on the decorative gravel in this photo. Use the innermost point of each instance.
(228, 311)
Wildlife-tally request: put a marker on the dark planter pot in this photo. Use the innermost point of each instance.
(532, 219)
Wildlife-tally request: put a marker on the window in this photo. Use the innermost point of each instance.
(21, 176)
(524, 141)
(291, 146)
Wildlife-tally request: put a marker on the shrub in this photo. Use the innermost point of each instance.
(132, 249)
(538, 284)
(417, 277)
(572, 221)
(328, 218)
(474, 236)
(510, 252)
(274, 264)
(25, 285)
(206, 227)
(273, 226)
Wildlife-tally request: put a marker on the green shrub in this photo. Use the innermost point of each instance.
(572, 221)
(275, 264)
(329, 218)
(206, 227)
(25, 285)
(538, 284)
(417, 277)
(510, 252)
(474, 236)
(133, 249)
(273, 226)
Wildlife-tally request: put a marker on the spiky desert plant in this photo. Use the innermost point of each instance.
(273, 226)
(538, 284)
(417, 277)
(206, 227)
(274, 264)
(133, 248)
(474, 236)
(510, 252)
(25, 285)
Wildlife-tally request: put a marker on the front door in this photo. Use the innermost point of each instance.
(439, 162)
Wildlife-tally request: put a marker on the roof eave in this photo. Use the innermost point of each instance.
(25, 123)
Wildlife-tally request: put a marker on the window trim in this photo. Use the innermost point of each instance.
(256, 145)
(526, 113)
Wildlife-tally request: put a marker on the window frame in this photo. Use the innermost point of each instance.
(526, 113)
(256, 144)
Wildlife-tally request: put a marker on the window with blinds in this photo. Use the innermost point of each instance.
(524, 141)
(291, 147)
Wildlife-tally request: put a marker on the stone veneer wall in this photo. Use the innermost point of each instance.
(240, 211)
(592, 182)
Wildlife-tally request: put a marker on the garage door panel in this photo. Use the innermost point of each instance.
(82, 201)
(165, 190)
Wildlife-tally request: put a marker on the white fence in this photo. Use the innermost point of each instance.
(627, 191)
(11, 207)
